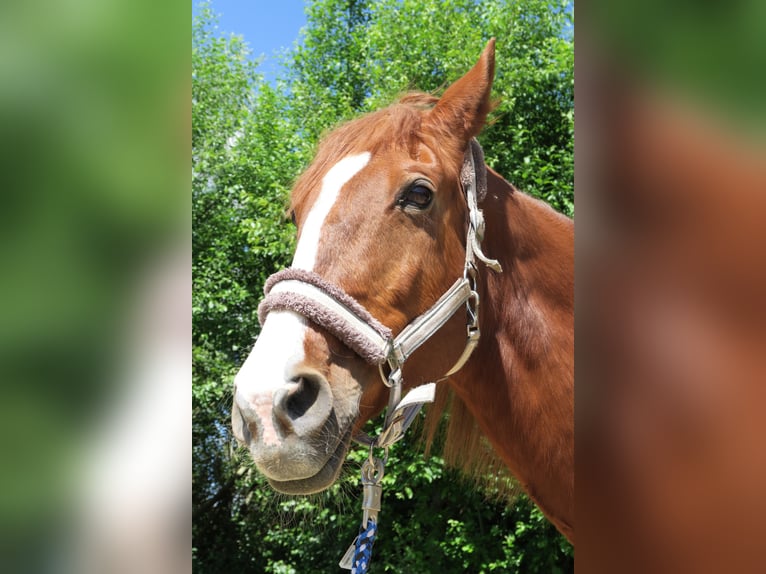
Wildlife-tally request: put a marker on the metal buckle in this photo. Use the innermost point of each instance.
(394, 378)
(372, 474)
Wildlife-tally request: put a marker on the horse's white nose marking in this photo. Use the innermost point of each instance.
(333, 181)
(271, 364)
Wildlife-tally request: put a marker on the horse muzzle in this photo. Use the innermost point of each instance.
(292, 433)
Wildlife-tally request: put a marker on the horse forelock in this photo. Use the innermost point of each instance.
(400, 126)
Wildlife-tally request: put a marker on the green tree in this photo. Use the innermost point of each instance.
(348, 65)
(250, 141)
(241, 174)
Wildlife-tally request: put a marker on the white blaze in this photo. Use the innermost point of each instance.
(333, 181)
(276, 353)
(279, 348)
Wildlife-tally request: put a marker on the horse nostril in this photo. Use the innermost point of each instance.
(300, 398)
(303, 405)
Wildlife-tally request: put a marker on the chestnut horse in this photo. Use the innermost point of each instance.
(382, 216)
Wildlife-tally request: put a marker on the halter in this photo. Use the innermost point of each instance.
(327, 305)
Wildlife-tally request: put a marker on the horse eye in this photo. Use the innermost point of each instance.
(418, 196)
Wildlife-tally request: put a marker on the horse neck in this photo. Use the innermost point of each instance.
(520, 385)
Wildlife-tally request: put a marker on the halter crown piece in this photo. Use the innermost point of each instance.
(327, 305)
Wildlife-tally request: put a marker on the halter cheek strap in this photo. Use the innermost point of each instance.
(473, 176)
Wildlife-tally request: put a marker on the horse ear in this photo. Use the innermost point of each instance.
(463, 108)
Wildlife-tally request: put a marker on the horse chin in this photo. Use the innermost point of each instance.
(320, 481)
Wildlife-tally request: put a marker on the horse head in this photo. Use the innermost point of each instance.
(382, 219)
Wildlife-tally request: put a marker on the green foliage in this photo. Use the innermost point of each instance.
(358, 56)
(250, 140)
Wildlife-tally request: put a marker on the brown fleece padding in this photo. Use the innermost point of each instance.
(467, 175)
(322, 316)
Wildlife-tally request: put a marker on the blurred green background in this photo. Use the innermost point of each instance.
(94, 124)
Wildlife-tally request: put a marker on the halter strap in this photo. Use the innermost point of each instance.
(327, 305)
(428, 324)
(473, 176)
(306, 293)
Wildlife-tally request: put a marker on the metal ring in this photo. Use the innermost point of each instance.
(373, 470)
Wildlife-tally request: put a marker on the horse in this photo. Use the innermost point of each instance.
(384, 227)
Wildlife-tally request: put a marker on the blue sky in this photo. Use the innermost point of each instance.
(268, 26)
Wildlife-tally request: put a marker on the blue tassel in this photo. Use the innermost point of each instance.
(363, 552)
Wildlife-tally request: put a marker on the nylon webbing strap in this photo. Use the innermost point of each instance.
(404, 414)
(427, 324)
(469, 175)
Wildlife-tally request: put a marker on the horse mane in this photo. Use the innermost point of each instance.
(449, 429)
